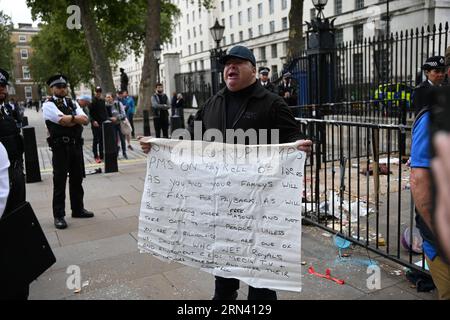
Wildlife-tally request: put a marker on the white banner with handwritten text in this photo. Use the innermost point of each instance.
(231, 210)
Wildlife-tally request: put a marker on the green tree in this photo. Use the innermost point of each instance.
(6, 52)
(56, 50)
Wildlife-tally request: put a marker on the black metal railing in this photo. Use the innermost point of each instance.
(359, 189)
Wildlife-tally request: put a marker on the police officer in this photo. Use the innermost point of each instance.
(12, 140)
(434, 68)
(264, 79)
(64, 120)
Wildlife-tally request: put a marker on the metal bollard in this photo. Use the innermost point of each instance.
(147, 131)
(24, 121)
(175, 123)
(33, 172)
(110, 146)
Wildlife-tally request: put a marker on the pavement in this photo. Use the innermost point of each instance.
(111, 267)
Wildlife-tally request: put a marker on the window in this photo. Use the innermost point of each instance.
(195, 48)
(187, 18)
(189, 49)
(195, 32)
(230, 4)
(274, 49)
(260, 30)
(189, 34)
(274, 70)
(26, 72)
(284, 23)
(231, 22)
(358, 67)
(200, 30)
(250, 33)
(358, 33)
(232, 38)
(337, 7)
(249, 14)
(359, 4)
(272, 26)
(240, 18)
(28, 92)
(271, 7)
(339, 36)
(283, 4)
(222, 6)
(223, 21)
(22, 38)
(202, 65)
(201, 46)
(262, 53)
(241, 36)
(260, 10)
(24, 54)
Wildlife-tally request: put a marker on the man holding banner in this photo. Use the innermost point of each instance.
(242, 105)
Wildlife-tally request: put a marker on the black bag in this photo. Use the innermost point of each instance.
(25, 253)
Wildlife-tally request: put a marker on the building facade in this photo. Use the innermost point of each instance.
(23, 87)
(263, 26)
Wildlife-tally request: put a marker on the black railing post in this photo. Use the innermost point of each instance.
(147, 131)
(33, 172)
(110, 145)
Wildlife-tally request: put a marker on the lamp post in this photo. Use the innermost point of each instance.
(157, 50)
(217, 31)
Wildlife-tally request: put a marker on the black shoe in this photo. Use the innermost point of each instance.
(83, 214)
(233, 296)
(60, 223)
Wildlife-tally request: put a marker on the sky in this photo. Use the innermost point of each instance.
(17, 10)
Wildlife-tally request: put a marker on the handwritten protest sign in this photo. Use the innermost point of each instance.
(231, 210)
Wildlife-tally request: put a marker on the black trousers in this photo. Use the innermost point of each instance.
(97, 143)
(161, 124)
(226, 287)
(67, 159)
(17, 194)
(130, 118)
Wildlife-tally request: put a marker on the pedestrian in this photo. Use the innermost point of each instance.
(160, 107)
(288, 91)
(245, 104)
(123, 80)
(264, 79)
(173, 102)
(116, 112)
(179, 108)
(420, 178)
(97, 115)
(12, 184)
(64, 120)
(130, 109)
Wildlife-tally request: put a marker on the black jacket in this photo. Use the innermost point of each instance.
(97, 110)
(269, 86)
(421, 96)
(262, 110)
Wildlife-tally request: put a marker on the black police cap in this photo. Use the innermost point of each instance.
(240, 52)
(57, 79)
(4, 77)
(264, 70)
(432, 63)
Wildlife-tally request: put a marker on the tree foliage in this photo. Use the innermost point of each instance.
(6, 51)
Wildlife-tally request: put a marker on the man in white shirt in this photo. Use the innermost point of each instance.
(4, 178)
(64, 119)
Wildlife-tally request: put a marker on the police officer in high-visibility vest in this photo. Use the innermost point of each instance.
(12, 140)
(65, 119)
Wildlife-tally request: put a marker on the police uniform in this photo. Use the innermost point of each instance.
(66, 144)
(421, 95)
(268, 85)
(12, 140)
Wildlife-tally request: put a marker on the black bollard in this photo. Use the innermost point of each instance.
(24, 121)
(147, 131)
(33, 172)
(175, 123)
(110, 145)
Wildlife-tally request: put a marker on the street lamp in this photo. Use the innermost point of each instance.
(320, 5)
(217, 32)
(157, 50)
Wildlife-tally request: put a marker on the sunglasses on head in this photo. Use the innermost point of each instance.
(61, 86)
